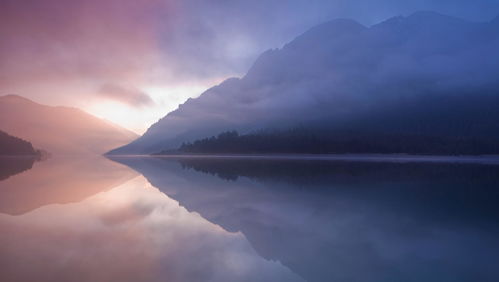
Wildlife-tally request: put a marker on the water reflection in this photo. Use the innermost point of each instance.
(347, 221)
(126, 232)
(58, 181)
(10, 166)
(203, 219)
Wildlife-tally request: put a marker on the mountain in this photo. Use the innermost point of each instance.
(426, 76)
(16, 155)
(60, 130)
(13, 146)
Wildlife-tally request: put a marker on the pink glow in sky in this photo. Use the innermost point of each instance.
(101, 56)
(134, 61)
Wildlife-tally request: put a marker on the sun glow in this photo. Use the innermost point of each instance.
(138, 119)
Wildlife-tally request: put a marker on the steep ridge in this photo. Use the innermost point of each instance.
(426, 75)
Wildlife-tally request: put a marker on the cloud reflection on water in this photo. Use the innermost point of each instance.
(130, 233)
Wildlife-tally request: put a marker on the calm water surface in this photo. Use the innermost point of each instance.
(256, 219)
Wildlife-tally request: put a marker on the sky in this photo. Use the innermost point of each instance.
(132, 62)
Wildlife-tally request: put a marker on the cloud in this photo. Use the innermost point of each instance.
(167, 40)
(59, 51)
(130, 96)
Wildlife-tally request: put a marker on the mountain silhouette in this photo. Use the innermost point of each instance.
(16, 155)
(426, 76)
(59, 130)
(13, 146)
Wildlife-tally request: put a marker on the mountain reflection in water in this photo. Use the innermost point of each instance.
(236, 219)
(347, 221)
(10, 166)
(127, 232)
(59, 180)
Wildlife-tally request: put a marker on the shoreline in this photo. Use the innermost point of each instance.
(398, 158)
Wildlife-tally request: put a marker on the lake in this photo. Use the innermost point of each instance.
(352, 218)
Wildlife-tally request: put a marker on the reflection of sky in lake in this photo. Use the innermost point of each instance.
(249, 220)
(130, 233)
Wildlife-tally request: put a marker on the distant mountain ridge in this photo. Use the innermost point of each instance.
(426, 75)
(59, 130)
